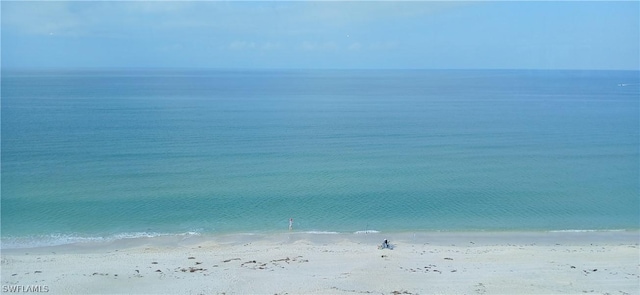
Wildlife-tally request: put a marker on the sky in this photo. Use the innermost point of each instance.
(322, 35)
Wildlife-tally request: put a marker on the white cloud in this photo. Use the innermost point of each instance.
(355, 46)
(345, 13)
(271, 46)
(386, 45)
(241, 45)
(319, 46)
(249, 45)
(40, 18)
(123, 17)
(249, 15)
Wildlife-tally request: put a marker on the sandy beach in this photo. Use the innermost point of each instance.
(313, 263)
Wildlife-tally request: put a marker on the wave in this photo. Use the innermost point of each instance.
(586, 230)
(322, 232)
(67, 239)
(369, 231)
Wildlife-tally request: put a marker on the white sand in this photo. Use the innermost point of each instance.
(423, 263)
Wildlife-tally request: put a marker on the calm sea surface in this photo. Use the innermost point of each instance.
(124, 153)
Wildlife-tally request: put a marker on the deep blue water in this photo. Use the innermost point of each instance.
(134, 152)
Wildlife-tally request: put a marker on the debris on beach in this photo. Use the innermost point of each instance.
(99, 274)
(400, 292)
(255, 264)
(192, 269)
(426, 269)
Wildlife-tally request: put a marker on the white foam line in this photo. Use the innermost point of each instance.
(586, 230)
(322, 232)
(65, 239)
(367, 232)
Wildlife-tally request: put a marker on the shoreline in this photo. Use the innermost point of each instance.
(302, 263)
(168, 239)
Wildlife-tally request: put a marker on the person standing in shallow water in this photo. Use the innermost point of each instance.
(290, 223)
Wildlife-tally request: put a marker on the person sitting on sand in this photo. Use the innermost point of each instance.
(385, 244)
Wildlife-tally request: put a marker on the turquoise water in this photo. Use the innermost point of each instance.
(119, 153)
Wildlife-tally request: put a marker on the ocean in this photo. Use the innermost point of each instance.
(120, 153)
